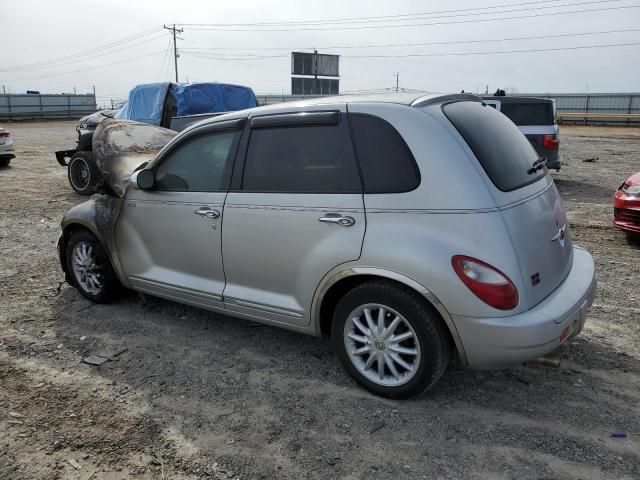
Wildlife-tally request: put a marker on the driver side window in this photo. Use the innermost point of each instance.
(198, 164)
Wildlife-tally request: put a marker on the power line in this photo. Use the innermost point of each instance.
(367, 27)
(454, 42)
(441, 54)
(90, 68)
(86, 53)
(494, 52)
(164, 59)
(403, 17)
(84, 58)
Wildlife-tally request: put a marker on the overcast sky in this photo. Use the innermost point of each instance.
(38, 31)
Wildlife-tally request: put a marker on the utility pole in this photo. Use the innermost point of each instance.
(315, 71)
(397, 75)
(175, 46)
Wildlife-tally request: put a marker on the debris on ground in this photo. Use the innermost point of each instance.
(591, 159)
(376, 426)
(96, 360)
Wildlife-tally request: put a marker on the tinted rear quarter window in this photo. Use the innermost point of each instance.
(385, 159)
(304, 159)
(529, 113)
(502, 150)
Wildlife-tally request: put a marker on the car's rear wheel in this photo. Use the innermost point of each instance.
(90, 268)
(389, 340)
(4, 162)
(83, 173)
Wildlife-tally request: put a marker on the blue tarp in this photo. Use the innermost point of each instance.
(146, 102)
(194, 98)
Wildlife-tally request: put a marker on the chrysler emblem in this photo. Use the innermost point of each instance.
(560, 235)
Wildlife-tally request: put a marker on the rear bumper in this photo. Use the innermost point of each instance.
(504, 341)
(554, 164)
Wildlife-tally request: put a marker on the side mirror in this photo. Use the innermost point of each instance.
(143, 179)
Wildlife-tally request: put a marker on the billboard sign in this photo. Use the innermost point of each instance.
(316, 64)
(314, 86)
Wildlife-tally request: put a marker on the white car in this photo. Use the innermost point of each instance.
(6, 147)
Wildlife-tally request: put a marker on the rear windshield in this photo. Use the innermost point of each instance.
(529, 113)
(502, 150)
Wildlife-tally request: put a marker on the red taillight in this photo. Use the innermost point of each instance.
(4, 133)
(487, 283)
(550, 141)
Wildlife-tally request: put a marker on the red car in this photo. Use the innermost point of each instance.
(626, 205)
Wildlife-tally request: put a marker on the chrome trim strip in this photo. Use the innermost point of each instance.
(145, 283)
(262, 307)
(292, 208)
(170, 202)
(380, 272)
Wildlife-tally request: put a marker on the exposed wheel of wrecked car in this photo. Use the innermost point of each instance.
(4, 162)
(90, 269)
(389, 341)
(83, 173)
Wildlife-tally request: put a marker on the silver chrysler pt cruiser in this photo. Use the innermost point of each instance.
(407, 228)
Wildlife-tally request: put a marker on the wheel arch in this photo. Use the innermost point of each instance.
(98, 216)
(336, 286)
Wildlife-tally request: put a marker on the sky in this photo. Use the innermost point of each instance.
(62, 46)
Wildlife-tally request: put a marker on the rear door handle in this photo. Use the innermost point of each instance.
(208, 212)
(338, 219)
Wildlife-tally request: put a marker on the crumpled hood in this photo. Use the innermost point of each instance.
(121, 146)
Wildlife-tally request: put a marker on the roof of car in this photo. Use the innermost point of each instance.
(505, 99)
(416, 99)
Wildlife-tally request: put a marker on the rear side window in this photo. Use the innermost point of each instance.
(503, 151)
(385, 159)
(303, 159)
(529, 113)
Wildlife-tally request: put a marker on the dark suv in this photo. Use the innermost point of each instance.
(536, 118)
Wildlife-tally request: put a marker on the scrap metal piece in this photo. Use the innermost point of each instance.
(96, 360)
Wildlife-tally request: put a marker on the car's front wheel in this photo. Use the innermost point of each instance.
(84, 176)
(4, 162)
(389, 340)
(90, 268)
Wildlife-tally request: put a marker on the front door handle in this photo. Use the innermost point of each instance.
(208, 212)
(338, 219)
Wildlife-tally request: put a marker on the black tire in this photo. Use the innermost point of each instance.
(4, 162)
(111, 287)
(83, 174)
(425, 322)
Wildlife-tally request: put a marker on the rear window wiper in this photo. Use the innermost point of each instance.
(537, 165)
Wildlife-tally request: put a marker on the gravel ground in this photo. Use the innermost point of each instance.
(200, 395)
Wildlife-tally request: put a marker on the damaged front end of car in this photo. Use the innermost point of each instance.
(120, 148)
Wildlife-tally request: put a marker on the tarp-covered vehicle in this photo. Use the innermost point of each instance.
(173, 106)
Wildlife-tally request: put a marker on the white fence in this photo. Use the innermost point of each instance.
(36, 106)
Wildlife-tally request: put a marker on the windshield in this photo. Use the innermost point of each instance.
(502, 150)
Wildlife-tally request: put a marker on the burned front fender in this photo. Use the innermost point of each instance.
(98, 216)
(120, 147)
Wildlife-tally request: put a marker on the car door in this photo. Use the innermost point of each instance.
(294, 213)
(168, 238)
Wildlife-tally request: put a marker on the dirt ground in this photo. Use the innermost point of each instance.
(199, 395)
